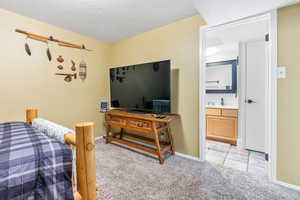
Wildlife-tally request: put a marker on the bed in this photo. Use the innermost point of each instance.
(34, 165)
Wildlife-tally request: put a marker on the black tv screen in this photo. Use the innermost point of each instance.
(144, 87)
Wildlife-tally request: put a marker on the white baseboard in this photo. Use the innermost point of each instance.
(240, 143)
(187, 156)
(99, 138)
(291, 186)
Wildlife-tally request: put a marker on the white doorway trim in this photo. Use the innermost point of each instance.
(272, 89)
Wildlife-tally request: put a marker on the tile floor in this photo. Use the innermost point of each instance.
(236, 158)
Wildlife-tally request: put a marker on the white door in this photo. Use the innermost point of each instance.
(255, 95)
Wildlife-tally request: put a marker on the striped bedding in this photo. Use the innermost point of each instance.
(33, 165)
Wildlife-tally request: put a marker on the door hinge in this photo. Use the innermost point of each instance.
(267, 157)
(267, 37)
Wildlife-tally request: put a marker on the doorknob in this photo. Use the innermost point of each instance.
(250, 101)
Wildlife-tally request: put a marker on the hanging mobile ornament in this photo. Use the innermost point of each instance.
(82, 69)
(27, 49)
(49, 53)
(60, 59)
(68, 77)
(73, 68)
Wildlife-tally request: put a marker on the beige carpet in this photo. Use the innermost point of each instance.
(124, 174)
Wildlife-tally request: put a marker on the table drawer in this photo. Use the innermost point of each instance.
(230, 112)
(118, 121)
(139, 124)
(213, 111)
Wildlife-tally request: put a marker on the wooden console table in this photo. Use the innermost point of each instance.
(141, 123)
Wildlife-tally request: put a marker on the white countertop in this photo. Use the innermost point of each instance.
(225, 106)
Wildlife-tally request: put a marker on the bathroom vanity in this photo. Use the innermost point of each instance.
(222, 124)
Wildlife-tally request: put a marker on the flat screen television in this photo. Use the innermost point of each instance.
(143, 87)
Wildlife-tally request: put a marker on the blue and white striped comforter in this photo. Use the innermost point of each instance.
(33, 165)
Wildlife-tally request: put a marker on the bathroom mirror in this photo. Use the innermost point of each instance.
(221, 77)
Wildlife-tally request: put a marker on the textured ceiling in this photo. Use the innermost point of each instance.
(115, 20)
(107, 20)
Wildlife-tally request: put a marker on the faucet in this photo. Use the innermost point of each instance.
(222, 101)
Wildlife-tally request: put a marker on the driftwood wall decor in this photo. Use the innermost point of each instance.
(52, 39)
(68, 76)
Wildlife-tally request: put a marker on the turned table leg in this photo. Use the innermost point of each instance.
(169, 133)
(122, 133)
(158, 149)
(157, 143)
(108, 129)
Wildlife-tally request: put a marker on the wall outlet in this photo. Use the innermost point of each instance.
(281, 72)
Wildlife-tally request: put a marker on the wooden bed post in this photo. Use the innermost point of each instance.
(85, 160)
(31, 114)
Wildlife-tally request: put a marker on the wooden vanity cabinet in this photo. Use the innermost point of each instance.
(222, 125)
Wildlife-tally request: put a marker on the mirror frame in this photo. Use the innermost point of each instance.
(234, 64)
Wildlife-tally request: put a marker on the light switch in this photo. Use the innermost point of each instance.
(281, 72)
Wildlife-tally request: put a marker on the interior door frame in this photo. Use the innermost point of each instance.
(271, 114)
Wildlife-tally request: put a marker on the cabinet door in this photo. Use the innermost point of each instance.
(229, 113)
(223, 129)
(213, 111)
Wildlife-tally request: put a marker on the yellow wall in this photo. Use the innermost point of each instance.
(289, 95)
(178, 42)
(29, 81)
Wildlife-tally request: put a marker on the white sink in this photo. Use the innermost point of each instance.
(225, 106)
